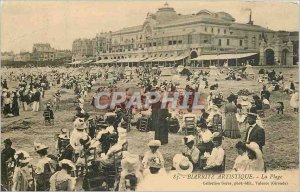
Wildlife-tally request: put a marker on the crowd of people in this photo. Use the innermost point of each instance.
(97, 147)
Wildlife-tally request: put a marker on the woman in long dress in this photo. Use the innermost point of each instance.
(15, 105)
(231, 125)
(7, 104)
(294, 102)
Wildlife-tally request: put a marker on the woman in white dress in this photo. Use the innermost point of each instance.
(294, 102)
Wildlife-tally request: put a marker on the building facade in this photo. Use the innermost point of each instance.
(7, 56)
(167, 35)
(23, 56)
(82, 48)
(61, 54)
(43, 52)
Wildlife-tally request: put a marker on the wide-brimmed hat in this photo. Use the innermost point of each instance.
(39, 147)
(182, 164)
(130, 162)
(154, 143)
(67, 162)
(79, 124)
(8, 141)
(22, 156)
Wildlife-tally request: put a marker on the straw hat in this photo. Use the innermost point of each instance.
(154, 143)
(39, 147)
(79, 124)
(22, 156)
(182, 164)
(67, 162)
(130, 162)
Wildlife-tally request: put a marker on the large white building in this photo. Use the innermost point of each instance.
(169, 38)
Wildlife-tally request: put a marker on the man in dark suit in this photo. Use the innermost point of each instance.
(254, 132)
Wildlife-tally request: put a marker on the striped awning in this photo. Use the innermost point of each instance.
(149, 59)
(106, 61)
(223, 56)
(160, 59)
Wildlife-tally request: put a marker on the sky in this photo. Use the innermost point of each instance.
(24, 23)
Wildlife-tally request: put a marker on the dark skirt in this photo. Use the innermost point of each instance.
(15, 109)
(6, 109)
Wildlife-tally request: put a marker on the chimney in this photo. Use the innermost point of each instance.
(250, 18)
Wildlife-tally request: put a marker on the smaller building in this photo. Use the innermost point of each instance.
(23, 56)
(61, 54)
(82, 48)
(7, 56)
(43, 52)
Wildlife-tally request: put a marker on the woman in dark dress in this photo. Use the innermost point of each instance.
(7, 104)
(15, 105)
(160, 122)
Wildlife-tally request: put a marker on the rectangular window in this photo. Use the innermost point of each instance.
(212, 29)
(225, 31)
(205, 29)
(220, 42)
(174, 42)
(218, 30)
(205, 41)
(154, 43)
(180, 42)
(241, 42)
(228, 43)
(170, 42)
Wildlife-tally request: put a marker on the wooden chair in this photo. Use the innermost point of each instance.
(217, 123)
(143, 126)
(47, 118)
(190, 126)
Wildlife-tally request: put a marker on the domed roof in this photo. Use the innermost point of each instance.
(166, 13)
(166, 8)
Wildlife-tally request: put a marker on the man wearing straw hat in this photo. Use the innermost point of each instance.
(44, 168)
(22, 179)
